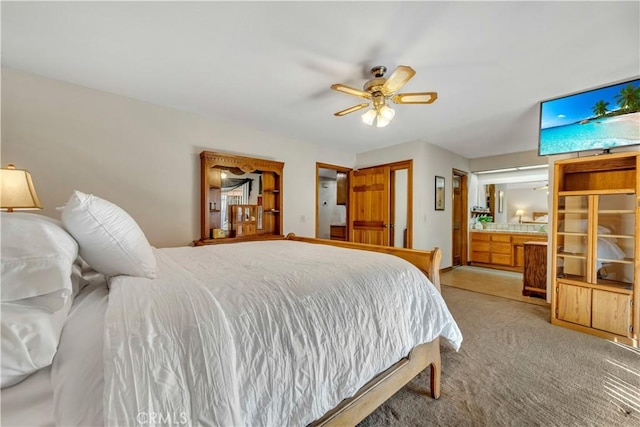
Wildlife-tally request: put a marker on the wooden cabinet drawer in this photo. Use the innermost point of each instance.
(480, 237)
(484, 257)
(501, 238)
(481, 246)
(501, 259)
(501, 248)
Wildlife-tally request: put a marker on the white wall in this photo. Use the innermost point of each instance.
(140, 156)
(431, 228)
(523, 158)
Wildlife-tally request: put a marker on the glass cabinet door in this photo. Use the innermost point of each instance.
(572, 242)
(615, 243)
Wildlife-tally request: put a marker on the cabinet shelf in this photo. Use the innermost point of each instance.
(572, 233)
(617, 261)
(271, 191)
(597, 192)
(615, 236)
(572, 211)
(572, 255)
(615, 212)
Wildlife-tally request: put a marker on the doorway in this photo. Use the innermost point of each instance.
(332, 202)
(459, 219)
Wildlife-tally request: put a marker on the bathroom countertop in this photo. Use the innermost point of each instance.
(535, 233)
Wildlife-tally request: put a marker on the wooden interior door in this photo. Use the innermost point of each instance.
(459, 220)
(370, 205)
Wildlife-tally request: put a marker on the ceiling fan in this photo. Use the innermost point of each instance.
(379, 89)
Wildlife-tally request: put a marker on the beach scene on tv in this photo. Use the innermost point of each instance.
(598, 119)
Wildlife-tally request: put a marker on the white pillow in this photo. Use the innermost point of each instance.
(30, 339)
(40, 275)
(37, 259)
(110, 240)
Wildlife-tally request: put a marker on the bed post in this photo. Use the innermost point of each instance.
(434, 267)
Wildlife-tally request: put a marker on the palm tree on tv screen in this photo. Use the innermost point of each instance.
(600, 109)
(629, 98)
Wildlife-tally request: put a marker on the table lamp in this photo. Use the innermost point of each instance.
(519, 214)
(17, 191)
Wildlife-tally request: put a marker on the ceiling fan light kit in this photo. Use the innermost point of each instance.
(380, 90)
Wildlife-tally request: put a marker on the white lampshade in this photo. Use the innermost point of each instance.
(520, 212)
(387, 113)
(17, 191)
(369, 116)
(382, 121)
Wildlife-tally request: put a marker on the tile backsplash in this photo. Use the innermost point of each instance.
(515, 227)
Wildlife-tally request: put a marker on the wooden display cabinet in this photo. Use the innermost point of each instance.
(267, 218)
(595, 250)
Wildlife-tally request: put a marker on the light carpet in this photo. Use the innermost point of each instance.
(516, 369)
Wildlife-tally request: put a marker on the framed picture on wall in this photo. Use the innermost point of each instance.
(439, 193)
(500, 201)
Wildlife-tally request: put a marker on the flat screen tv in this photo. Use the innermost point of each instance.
(597, 119)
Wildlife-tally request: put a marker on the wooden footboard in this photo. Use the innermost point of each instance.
(427, 261)
(377, 391)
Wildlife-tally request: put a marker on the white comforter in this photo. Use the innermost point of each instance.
(260, 333)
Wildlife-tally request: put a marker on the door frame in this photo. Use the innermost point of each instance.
(344, 169)
(464, 214)
(408, 165)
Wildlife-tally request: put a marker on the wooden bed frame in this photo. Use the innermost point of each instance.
(384, 385)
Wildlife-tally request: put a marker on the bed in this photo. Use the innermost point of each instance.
(538, 218)
(276, 332)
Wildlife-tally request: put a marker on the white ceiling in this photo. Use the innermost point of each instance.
(269, 65)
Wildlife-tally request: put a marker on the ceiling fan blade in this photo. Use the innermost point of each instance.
(351, 109)
(398, 78)
(351, 91)
(415, 98)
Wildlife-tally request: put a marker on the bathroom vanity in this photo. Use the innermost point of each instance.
(501, 249)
